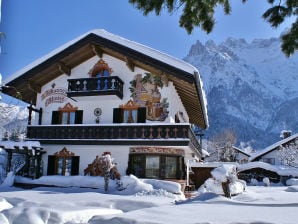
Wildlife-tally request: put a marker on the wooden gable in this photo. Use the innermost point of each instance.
(29, 82)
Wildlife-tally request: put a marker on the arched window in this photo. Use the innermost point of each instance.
(100, 69)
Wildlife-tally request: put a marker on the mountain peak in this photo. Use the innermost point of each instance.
(197, 49)
(247, 85)
(235, 43)
(210, 44)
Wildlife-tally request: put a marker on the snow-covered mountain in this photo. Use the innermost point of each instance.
(13, 118)
(252, 88)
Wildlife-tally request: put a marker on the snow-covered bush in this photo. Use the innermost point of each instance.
(292, 182)
(254, 182)
(266, 181)
(224, 181)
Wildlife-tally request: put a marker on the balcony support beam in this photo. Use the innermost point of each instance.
(97, 50)
(130, 64)
(64, 68)
(33, 86)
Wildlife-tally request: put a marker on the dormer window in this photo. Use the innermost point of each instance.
(67, 115)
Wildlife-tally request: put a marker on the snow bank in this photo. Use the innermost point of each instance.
(4, 205)
(292, 189)
(292, 182)
(274, 205)
(9, 180)
(130, 185)
(169, 186)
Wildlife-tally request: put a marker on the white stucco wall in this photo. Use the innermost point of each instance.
(277, 158)
(106, 103)
(272, 155)
(241, 158)
(88, 153)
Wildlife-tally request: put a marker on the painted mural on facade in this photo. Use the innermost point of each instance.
(146, 93)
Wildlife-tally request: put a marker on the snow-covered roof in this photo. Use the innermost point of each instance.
(241, 151)
(281, 170)
(272, 147)
(205, 153)
(120, 40)
(211, 164)
(20, 144)
(81, 49)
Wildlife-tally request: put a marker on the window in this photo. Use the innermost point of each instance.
(155, 166)
(130, 116)
(269, 160)
(152, 166)
(67, 115)
(63, 163)
(129, 113)
(100, 69)
(171, 167)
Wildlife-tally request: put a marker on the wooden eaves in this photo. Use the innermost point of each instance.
(29, 83)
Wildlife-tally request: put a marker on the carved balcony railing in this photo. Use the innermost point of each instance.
(111, 85)
(114, 134)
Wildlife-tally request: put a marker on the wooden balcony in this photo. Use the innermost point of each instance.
(111, 85)
(115, 134)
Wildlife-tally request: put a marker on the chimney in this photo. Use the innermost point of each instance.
(285, 134)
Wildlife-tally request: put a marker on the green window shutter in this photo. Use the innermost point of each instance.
(55, 117)
(117, 115)
(51, 165)
(75, 165)
(142, 115)
(79, 117)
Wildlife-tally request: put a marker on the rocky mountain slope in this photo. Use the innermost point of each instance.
(13, 118)
(251, 88)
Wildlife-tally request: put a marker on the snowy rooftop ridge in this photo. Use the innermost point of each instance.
(273, 146)
(185, 66)
(241, 151)
(20, 144)
(163, 57)
(281, 170)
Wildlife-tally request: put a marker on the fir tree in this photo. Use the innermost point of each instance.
(201, 13)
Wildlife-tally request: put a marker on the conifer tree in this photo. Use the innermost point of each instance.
(201, 13)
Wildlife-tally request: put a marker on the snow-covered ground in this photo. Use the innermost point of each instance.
(141, 201)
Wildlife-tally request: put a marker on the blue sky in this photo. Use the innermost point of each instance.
(33, 28)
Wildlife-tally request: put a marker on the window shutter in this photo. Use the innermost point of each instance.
(117, 115)
(79, 117)
(142, 115)
(75, 165)
(55, 117)
(51, 165)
